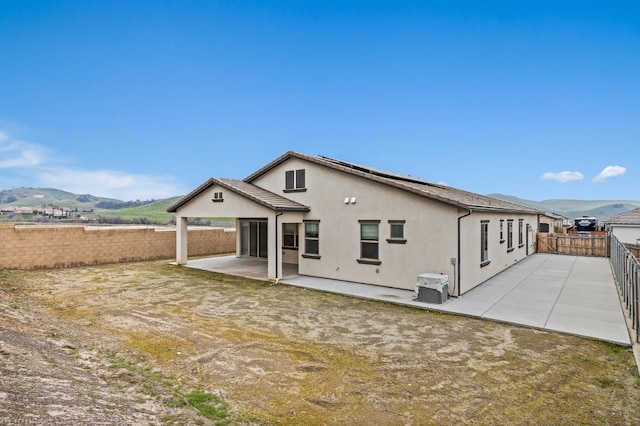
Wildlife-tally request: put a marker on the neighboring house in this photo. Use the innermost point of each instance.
(553, 222)
(54, 213)
(24, 210)
(625, 226)
(343, 221)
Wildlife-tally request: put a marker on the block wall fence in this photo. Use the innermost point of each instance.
(36, 247)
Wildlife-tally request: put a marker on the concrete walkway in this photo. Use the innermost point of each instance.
(567, 294)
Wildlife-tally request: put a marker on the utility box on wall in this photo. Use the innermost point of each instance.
(433, 288)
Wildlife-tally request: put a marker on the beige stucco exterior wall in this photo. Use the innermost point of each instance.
(553, 223)
(626, 233)
(202, 206)
(239, 207)
(32, 247)
(472, 273)
(430, 227)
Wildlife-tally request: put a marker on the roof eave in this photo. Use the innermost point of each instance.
(397, 183)
(190, 196)
(501, 210)
(269, 206)
(293, 209)
(270, 166)
(213, 181)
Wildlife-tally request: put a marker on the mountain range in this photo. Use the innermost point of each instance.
(36, 197)
(600, 209)
(86, 205)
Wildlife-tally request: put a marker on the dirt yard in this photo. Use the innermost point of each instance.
(133, 343)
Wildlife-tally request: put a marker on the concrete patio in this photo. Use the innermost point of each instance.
(566, 294)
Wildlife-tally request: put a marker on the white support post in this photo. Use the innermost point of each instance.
(238, 238)
(181, 240)
(279, 237)
(271, 251)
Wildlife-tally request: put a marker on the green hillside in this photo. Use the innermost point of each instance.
(155, 211)
(37, 197)
(90, 207)
(601, 209)
(85, 205)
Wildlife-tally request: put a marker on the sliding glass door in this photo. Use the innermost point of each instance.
(253, 238)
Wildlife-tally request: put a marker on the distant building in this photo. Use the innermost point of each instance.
(24, 210)
(625, 226)
(553, 222)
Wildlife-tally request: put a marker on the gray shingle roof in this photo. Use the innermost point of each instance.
(449, 195)
(632, 217)
(255, 193)
(446, 194)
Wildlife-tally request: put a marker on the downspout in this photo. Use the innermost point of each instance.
(459, 252)
(278, 214)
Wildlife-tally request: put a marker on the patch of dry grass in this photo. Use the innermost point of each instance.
(290, 356)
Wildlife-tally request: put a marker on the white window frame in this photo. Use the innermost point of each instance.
(295, 180)
(509, 235)
(520, 233)
(484, 243)
(369, 242)
(286, 233)
(311, 238)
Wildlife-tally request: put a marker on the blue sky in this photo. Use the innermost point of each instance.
(148, 99)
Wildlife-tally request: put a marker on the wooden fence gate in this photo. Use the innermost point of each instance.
(575, 245)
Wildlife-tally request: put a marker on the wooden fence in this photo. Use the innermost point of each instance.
(575, 245)
(634, 249)
(574, 232)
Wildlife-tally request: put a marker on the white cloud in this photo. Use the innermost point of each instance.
(17, 154)
(609, 172)
(563, 176)
(110, 183)
(28, 164)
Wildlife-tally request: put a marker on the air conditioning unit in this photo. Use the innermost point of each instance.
(432, 288)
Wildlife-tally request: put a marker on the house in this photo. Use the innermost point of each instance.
(553, 223)
(339, 220)
(24, 210)
(6, 209)
(625, 226)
